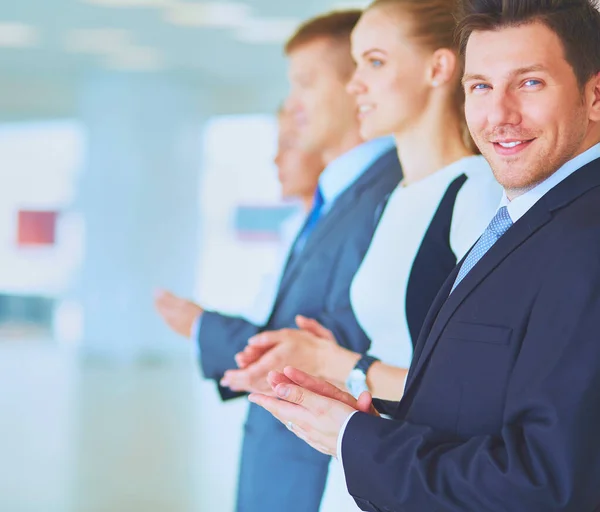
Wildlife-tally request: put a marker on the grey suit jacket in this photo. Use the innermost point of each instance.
(279, 472)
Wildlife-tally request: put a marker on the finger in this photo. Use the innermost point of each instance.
(255, 375)
(319, 386)
(169, 303)
(314, 327)
(281, 410)
(364, 402)
(234, 379)
(316, 404)
(166, 296)
(241, 360)
(239, 380)
(248, 356)
(160, 293)
(274, 378)
(267, 338)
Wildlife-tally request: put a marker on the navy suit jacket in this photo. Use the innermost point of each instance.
(502, 404)
(279, 471)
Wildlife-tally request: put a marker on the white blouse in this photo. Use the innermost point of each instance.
(378, 292)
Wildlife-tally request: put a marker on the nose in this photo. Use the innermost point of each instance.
(356, 85)
(505, 109)
(291, 104)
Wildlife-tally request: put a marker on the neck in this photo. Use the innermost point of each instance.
(433, 143)
(348, 141)
(307, 202)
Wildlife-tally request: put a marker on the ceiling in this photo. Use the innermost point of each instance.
(49, 47)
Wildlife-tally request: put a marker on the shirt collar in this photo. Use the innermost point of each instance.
(347, 168)
(522, 204)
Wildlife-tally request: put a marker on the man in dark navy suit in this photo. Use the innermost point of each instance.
(502, 405)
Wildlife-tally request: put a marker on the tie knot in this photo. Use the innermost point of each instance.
(501, 222)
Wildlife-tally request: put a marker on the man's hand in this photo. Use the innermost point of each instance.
(323, 388)
(311, 408)
(273, 350)
(179, 314)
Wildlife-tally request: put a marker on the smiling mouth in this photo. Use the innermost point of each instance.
(364, 110)
(510, 147)
(510, 144)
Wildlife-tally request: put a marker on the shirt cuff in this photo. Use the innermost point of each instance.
(341, 437)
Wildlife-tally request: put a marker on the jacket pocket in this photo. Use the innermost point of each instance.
(479, 333)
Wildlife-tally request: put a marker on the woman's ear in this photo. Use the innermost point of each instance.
(444, 63)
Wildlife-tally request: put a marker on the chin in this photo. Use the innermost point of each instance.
(515, 181)
(371, 132)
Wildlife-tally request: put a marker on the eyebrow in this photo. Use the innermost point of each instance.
(469, 77)
(372, 50)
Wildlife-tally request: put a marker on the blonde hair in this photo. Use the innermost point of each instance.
(433, 26)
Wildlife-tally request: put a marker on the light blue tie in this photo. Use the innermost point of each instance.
(499, 225)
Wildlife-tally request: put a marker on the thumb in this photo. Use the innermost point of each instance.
(314, 327)
(365, 403)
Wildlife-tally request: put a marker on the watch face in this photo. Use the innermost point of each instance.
(357, 383)
(357, 375)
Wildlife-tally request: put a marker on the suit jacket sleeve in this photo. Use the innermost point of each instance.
(220, 338)
(388, 407)
(547, 456)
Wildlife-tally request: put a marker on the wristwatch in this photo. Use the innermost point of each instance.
(357, 380)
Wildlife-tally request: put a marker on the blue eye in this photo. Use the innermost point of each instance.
(480, 87)
(532, 83)
(376, 63)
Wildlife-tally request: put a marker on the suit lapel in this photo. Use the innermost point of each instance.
(338, 211)
(541, 213)
(322, 228)
(511, 240)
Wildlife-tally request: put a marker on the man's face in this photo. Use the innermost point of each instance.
(298, 171)
(323, 109)
(524, 107)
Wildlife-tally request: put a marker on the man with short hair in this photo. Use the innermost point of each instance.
(298, 173)
(278, 471)
(502, 404)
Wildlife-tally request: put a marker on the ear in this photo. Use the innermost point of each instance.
(594, 95)
(444, 63)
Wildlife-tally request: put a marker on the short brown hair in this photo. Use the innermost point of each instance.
(575, 22)
(336, 28)
(336, 25)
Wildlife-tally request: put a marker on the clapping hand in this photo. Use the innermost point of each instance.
(311, 408)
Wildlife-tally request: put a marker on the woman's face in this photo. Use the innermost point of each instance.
(391, 82)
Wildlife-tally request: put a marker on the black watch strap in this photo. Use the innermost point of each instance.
(365, 362)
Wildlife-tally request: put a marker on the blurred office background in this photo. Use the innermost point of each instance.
(136, 139)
